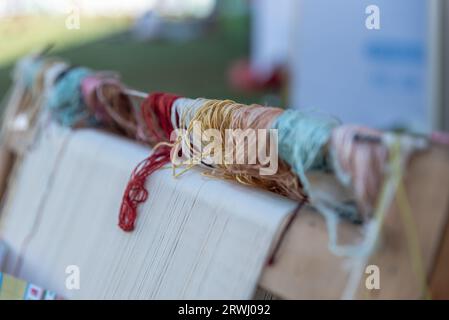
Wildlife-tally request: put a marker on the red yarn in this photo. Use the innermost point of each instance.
(135, 192)
(156, 112)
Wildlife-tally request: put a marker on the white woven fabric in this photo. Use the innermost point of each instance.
(195, 237)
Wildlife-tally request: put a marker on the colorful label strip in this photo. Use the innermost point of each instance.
(15, 289)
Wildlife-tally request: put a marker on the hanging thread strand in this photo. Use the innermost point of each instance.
(156, 111)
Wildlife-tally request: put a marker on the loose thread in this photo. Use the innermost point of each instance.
(412, 238)
(156, 111)
(363, 252)
(272, 259)
(136, 192)
(41, 207)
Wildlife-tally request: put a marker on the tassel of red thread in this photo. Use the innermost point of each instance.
(135, 192)
(156, 112)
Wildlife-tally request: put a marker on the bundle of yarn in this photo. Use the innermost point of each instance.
(301, 142)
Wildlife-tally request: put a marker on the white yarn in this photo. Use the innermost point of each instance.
(185, 109)
(188, 110)
(177, 110)
(361, 253)
(195, 237)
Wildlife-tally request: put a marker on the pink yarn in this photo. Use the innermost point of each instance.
(360, 163)
(89, 87)
(440, 137)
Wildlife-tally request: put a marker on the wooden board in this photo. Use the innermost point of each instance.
(306, 269)
(440, 276)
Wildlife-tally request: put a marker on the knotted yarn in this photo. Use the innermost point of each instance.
(156, 110)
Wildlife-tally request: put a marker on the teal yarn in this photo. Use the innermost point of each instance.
(66, 102)
(302, 139)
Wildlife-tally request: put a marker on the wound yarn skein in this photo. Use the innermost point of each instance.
(303, 139)
(359, 164)
(66, 102)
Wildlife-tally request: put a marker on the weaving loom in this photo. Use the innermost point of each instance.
(198, 237)
(234, 222)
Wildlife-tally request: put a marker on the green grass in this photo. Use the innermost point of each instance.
(22, 35)
(196, 68)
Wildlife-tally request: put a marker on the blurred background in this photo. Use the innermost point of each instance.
(306, 54)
